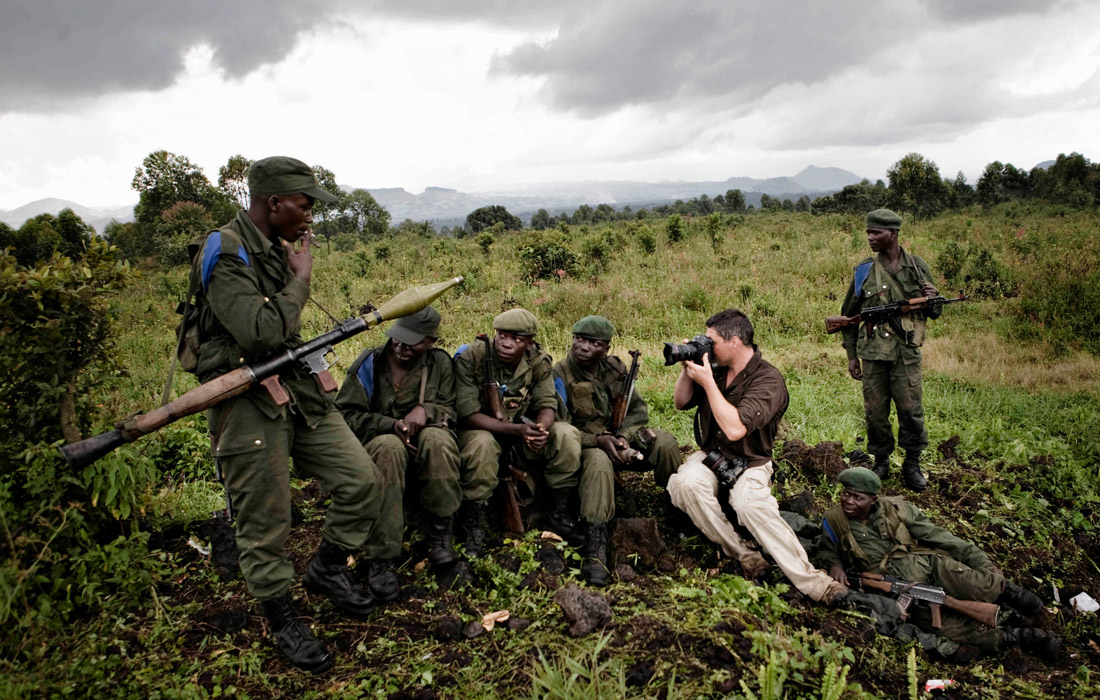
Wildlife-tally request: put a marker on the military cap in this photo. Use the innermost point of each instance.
(284, 175)
(596, 327)
(518, 321)
(411, 329)
(860, 479)
(883, 218)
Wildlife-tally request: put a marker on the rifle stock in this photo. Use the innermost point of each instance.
(985, 613)
(240, 380)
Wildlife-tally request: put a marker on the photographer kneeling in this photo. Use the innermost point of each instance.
(739, 403)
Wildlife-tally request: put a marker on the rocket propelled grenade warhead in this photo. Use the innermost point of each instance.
(410, 301)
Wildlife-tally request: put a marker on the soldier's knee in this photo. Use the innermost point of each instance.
(596, 460)
(480, 444)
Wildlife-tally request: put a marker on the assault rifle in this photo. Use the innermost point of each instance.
(311, 355)
(490, 388)
(889, 314)
(619, 409)
(908, 591)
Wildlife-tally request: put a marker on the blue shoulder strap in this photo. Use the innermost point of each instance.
(461, 349)
(212, 251)
(861, 276)
(829, 531)
(559, 386)
(365, 375)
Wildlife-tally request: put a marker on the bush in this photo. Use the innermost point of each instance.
(545, 258)
(675, 228)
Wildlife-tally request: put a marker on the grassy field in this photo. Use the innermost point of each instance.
(1002, 373)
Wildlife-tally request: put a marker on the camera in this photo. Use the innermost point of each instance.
(693, 351)
(728, 471)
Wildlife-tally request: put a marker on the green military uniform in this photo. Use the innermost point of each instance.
(371, 404)
(525, 390)
(589, 399)
(898, 539)
(891, 363)
(249, 303)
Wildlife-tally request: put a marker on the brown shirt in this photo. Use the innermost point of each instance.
(760, 396)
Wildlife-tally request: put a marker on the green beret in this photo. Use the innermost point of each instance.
(883, 218)
(284, 175)
(411, 329)
(596, 327)
(518, 321)
(860, 479)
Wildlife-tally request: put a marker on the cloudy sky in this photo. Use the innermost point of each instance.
(493, 94)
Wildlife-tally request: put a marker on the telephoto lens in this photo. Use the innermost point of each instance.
(691, 351)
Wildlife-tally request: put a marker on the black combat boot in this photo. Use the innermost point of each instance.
(474, 524)
(594, 567)
(294, 638)
(1044, 643)
(561, 519)
(882, 466)
(440, 551)
(910, 471)
(382, 581)
(1020, 599)
(328, 574)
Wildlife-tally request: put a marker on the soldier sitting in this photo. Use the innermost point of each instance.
(399, 400)
(889, 535)
(589, 381)
(499, 382)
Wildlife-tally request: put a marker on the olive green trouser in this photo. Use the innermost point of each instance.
(254, 450)
(956, 629)
(436, 461)
(560, 460)
(954, 577)
(662, 456)
(597, 487)
(898, 382)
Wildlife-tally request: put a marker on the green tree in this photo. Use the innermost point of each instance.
(132, 243)
(540, 220)
(853, 199)
(166, 178)
(1000, 183)
(368, 218)
(735, 202)
(233, 179)
(916, 187)
(324, 212)
(75, 234)
(178, 226)
(675, 228)
(803, 204)
(482, 218)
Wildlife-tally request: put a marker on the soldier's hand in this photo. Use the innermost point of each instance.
(401, 430)
(837, 572)
(928, 290)
(612, 445)
(300, 261)
(854, 369)
(534, 436)
(416, 420)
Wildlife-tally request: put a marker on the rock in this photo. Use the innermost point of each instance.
(640, 673)
(448, 629)
(552, 562)
(587, 611)
(625, 573)
(473, 629)
(637, 542)
(803, 503)
(517, 624)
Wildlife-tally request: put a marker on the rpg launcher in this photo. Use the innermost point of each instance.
(310, 355)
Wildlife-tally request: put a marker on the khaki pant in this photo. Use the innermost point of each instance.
(436, 461)
(694, 490)
(254, 452)
(560, 460)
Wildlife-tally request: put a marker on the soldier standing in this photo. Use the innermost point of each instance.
(891, 361)
(250, 280)
(399, 400)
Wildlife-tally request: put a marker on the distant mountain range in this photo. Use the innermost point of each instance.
(449, 206)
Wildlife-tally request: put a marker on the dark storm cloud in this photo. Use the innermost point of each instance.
(979, 10)
(55, 50)
(654, 51)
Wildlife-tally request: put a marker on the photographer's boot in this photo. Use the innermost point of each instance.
(1043, 643)
(1020, 599)
(594, 567)
(440, 551)
(294, 638)
(882, 466)
(910, 471)
(328, 574)
(382, 581)
(474, 524)
(561, 519)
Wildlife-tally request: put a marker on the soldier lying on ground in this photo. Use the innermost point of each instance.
(889, 535)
